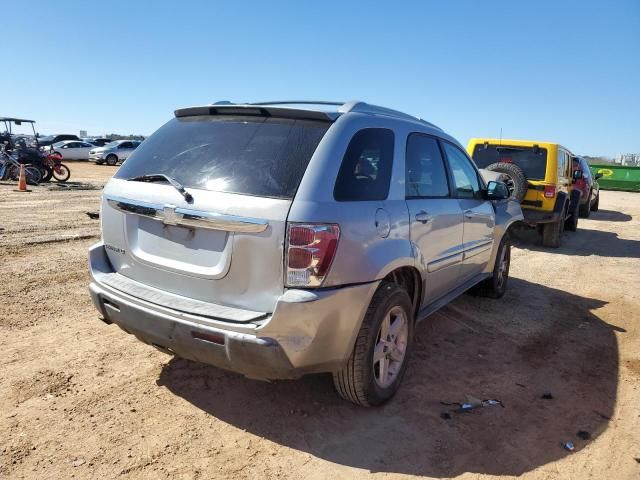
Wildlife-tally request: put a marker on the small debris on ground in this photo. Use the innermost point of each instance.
(78, 461)
(568, 446)
(445, 416)
(93, 215)
(472, 403)
(547, 396)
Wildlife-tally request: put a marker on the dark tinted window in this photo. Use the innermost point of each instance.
(251, 155)
(533, 161)
(465, 176)
(365, 172)
(584, 166)
(425, 175)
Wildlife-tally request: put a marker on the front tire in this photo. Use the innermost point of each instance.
(596, 203)
(380, 355)
(112, 160)
(585, 208)
(61, 173)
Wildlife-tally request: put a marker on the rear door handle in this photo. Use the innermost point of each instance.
(423, 217)
(469, 214)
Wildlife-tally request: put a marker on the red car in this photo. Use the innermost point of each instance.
(588, 186)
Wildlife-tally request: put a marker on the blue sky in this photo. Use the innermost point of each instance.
(567, 71)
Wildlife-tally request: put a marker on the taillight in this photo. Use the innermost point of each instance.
(310, 251)
(550, 191)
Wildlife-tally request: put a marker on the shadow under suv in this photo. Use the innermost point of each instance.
(288, 238)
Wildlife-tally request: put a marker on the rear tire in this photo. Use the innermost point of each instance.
(380, 355)
(112, 160)
(596, 203)
(571, 223)
(551, 234)
(585, 208)
(46, 172)
(496, 286)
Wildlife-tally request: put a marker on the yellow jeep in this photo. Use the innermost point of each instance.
(539, 175)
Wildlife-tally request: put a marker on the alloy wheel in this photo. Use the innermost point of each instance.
(391, 347)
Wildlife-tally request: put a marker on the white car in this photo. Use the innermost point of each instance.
(72, 149)
(114, 152)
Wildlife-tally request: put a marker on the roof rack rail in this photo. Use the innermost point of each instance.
(363, 107)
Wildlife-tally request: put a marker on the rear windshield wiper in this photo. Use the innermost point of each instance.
(160, 177)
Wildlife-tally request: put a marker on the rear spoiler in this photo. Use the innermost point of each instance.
(257, 111)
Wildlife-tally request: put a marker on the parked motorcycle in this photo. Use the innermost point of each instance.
(59, 171)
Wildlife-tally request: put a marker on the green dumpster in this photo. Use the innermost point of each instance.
(618, 177)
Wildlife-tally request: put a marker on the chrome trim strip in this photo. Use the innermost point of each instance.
(185, 217)
(444, 262)
(478, 249)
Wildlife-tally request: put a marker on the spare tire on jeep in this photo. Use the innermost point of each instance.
(514, 178)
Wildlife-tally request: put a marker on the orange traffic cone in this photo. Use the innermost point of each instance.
(22, 180)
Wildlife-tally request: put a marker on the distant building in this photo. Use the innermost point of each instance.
(628, 159)
(83, 133)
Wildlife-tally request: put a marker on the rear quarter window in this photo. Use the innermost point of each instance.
(365, 172)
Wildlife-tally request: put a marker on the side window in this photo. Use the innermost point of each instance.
(465, 177)
(365, 172)
(425, 175)
(125, 145)
(562, 163)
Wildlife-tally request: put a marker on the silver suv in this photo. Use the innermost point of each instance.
(113, 152)
(288, 238)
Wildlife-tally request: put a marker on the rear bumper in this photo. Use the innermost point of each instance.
(534, 217)
(307, 332)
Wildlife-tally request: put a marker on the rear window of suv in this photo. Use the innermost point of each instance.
(261, 156)
(532, 161)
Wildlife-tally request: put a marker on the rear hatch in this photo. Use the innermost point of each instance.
(221, 239)
(532, 160)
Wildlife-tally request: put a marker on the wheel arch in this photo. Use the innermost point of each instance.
(409, 278)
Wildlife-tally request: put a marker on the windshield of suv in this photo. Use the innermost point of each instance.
(533, 161)
(260, 156)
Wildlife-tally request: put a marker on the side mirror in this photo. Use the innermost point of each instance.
(497, 191)
(598, 176)
(577, 174)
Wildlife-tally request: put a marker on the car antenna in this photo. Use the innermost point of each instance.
(500, 136)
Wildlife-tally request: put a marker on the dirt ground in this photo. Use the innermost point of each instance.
(82, 399)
